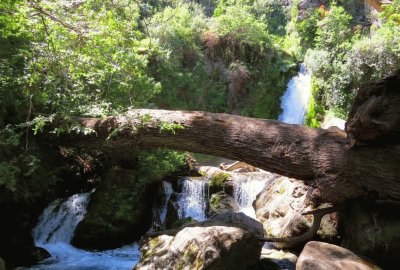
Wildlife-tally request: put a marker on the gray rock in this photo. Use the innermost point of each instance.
(279, 207)
(319, 255)
(221, 203)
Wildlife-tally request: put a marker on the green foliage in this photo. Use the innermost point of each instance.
(170, 127)
(315, 110)
(217, 179)
(332, 77)
(9, 176)
(180, 222)
(375, 57)
(274, 13)
(157, 164)
(391, 14)
(13, 52)
(87, 58)
(344, 59)
(378, 55)
(240, 40)
(307, 30)
(334, 31)
(243, 25)
(179, 64)
(8, 136)
(39, 123)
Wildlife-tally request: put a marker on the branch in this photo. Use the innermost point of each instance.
(317, 214)
(38, 8)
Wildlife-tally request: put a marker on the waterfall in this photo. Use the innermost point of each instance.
(59, 220)
(55, 230)
(193, 199)
(295, 100)
(168, 190)
(246, 189)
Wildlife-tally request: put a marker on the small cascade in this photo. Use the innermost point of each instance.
(295, 100)
(59, 220)
(168, 190)
(55, 230)
(193, 199)
(246, 189)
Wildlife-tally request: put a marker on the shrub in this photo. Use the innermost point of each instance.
(217, 179)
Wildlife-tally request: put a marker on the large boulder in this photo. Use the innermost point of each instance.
(118, 213)
(229, 241)
(319, 255)
(279, 207)
(221, 203)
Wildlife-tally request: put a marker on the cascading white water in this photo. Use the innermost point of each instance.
(55, 230)
(192, 200)
(58, 221)
(168, 190)
(295, 100)
(246, 188)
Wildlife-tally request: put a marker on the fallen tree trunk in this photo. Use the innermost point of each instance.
(320, 156)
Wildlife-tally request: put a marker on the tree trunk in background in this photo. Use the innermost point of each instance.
(319, 156)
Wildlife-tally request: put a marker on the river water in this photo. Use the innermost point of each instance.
(54, 233)
(58, 221)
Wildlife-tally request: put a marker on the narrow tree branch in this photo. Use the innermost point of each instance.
(317, 214)
(41, 10)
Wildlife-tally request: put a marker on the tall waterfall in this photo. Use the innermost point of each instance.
(295, 100)
(193, 199)
(55, 230)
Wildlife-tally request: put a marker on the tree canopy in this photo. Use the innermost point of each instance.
(100, 58)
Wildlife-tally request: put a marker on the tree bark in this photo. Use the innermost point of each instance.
(319, 156)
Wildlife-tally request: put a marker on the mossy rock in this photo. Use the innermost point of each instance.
(119, 212)
(217, 181)
(228, 241)
(221, 203)
(180, 222)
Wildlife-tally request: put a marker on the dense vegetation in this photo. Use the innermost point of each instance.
(98, 58)
(346, 53)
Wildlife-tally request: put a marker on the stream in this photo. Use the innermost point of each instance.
(58, 221)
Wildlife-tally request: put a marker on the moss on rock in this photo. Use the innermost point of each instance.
(222, 203)
(217, 181)
(119, 212)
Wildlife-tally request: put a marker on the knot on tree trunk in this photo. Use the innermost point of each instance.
(375, 114)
